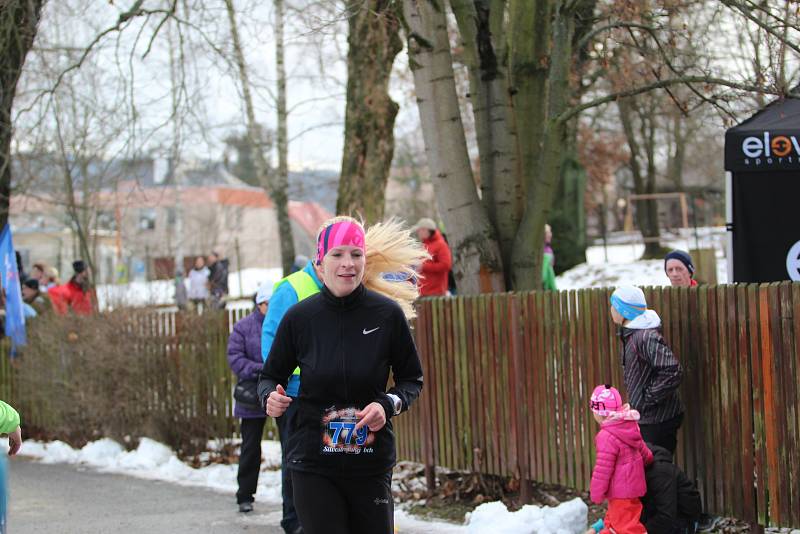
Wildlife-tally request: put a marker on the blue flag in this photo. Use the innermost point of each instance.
(15, 318)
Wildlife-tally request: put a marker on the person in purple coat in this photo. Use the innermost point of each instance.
(244, 359)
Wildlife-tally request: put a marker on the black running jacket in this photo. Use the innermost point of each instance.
(345, 348)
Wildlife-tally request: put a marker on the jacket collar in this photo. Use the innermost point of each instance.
(312, 272)
(646, 321)
(435, 236)
(346, 302)
(75, 285)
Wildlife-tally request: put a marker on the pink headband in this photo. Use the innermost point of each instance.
(340, 234)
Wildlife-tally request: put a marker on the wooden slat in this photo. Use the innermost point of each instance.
(443, 414)
(706, 478)
(543, 393)
(577, 392)
(772, 443)
(788, 403)
(781, 474)
(560, 385)
(690, 360)
(485, 373)
(449, 367)
(723, 368)
(529, 378)
(428, 401)
(745, 403)
(463, 387)
(494, 384)
(539, 378)
(474, 377)
(593, 351)
(502, 356)
(517, 397)
(795, 481)
(679, 343)
(715, 365)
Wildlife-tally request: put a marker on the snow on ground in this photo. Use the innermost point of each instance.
(567, 518)
(155, 461)
(618, 263)
(640, 273)
(161, 292)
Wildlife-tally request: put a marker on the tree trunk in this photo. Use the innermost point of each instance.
(18, 24)
(278, 194)
(530, 35)
(175, 153)
(374, 41)
(678, 139)
(643, 181)
(281, 181)
(567, 216)
(478, 22)
(528, 244)
(477, 259)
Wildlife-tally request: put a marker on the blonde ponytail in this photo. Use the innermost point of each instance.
(392, 249)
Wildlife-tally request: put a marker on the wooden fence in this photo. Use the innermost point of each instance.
(508, 379)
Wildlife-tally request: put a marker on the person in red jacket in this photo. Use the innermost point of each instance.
(434, 271)
(75, 295)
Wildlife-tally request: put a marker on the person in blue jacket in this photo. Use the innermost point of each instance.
(288, 292)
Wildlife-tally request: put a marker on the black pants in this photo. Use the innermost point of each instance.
(249, 458)
(328, 505)
(663, 434)
(289, 523)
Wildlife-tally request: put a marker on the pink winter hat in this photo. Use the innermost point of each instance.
(606, 400)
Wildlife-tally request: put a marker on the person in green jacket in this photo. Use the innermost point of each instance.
(548, 270)
(548, 273)
(9, 424)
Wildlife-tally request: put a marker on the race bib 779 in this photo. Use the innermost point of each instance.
(339, 434)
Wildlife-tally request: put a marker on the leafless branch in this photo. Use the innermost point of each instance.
(314, 127)
(659, 84)
(770, 29)
(158, 28)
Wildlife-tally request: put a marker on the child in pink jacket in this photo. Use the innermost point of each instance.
(618, 474)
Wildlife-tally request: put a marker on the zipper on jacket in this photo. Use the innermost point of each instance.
(343, 463)
(344, 356)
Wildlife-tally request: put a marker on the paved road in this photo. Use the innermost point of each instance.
(69, 499)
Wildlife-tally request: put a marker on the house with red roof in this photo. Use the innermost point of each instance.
(149, 214)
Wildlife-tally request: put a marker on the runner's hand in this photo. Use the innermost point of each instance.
(278, 402)
(373, 416)
(14, 441)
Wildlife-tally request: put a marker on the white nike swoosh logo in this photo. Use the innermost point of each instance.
(365, 331)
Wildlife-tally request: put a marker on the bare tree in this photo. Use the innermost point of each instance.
(282, 177)
(19, 20)
(276, 192)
